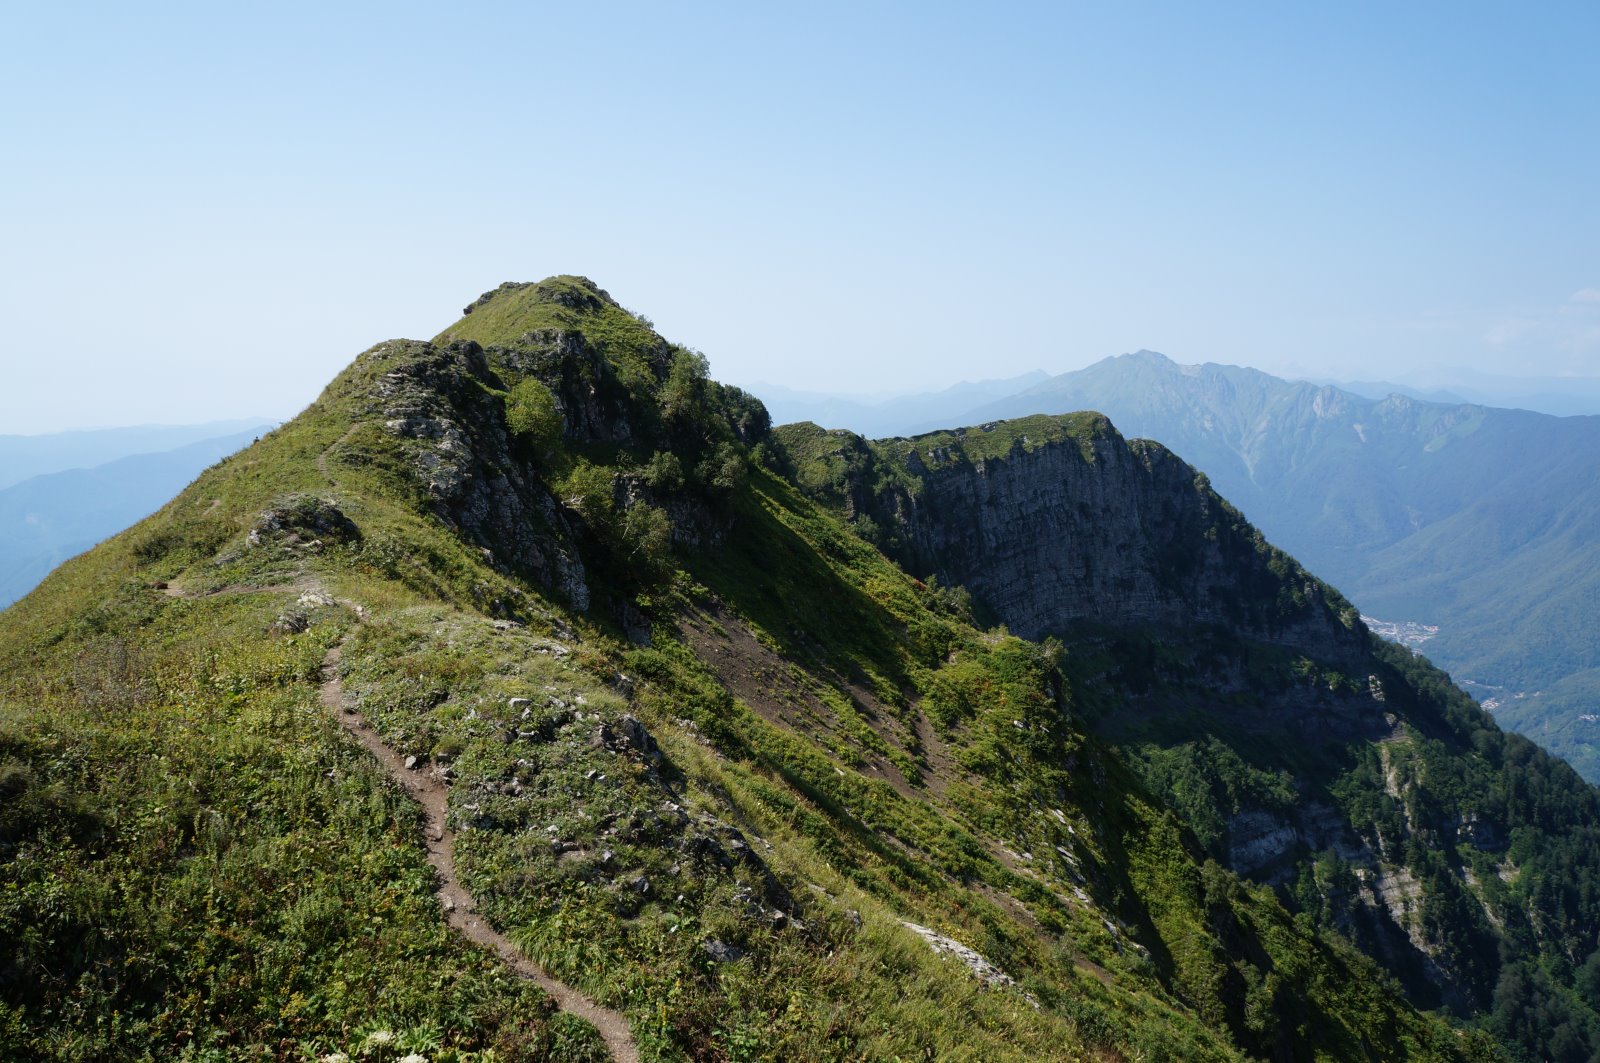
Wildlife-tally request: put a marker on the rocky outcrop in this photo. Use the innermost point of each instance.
(974, 961)
(438, 398)
(449, 401)
(302, 520)
(1100, 531)
(595, 406)
(1257, 839)
(1263, 844)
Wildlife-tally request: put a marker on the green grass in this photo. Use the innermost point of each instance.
(502, 317)
(197, 861)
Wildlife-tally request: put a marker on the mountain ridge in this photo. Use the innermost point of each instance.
(1275, 757)
(26, 456)
(712, 758)
(1470, 518)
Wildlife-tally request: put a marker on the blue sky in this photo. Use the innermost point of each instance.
(207, 210)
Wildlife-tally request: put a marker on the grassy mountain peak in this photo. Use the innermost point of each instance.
(503, 316)
(712, 757)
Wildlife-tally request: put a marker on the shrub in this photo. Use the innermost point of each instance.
(532, 415)
(647, 535)
(664, 472)
(590, 490)
(683, 393)
(722, 470)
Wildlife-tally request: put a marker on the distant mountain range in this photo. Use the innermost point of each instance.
(1561, 396)
(47, 518)
(916, 413)
(22, 457)
(735, 739)
(1482, 521)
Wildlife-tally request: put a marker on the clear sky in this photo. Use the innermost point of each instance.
(206, 210)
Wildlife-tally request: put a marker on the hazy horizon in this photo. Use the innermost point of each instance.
(220, 213)
(1441, 380)
(1465, 383)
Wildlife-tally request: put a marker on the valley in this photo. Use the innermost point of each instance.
(1475, 520)
(1010, 742)
(1407, 633)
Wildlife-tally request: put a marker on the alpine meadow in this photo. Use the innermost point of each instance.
(530, 696)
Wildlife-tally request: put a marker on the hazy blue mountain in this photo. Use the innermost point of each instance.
(46, 519)
(1559, 396)
(893, 416)
(22, 457)
(1382, 389)
(1563, 396)
(1482, 521)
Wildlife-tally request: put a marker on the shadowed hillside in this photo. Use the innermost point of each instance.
(690, 748)
(1478, 521)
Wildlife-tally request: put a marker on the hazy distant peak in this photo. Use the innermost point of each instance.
(1147, 359)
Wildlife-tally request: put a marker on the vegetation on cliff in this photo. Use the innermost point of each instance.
(1477, 520)
(714, 760)
(1301, 752)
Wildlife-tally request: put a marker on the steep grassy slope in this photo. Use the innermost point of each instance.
(713, 760)
(1478, 520)
(1301, 751)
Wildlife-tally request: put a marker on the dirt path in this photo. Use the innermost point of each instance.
(460, 910)
(172, 590)
(322, 459)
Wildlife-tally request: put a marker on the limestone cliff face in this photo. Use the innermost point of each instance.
(442, 399)
(1060, 526)
(1050, 534)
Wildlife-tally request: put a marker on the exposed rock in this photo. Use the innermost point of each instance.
(1323, 828)
(627, 735)
(437, 397)
(1107, 533)
(721, 951)
(292, 622)
(987, 972)
(298, 520)
(1258, 839)
(1481, 833)
(632, 735)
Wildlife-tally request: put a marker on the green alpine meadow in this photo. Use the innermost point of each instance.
(530, 696)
